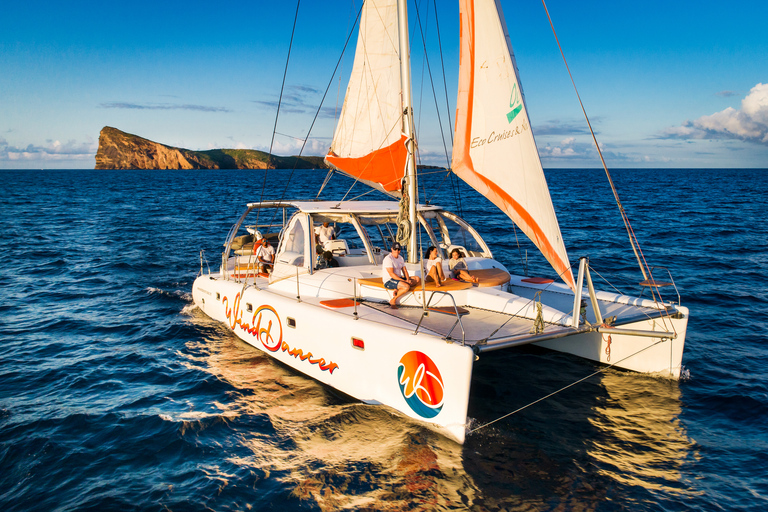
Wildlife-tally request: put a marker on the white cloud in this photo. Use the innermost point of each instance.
(54, 150)
(750, 123)
(291, 147)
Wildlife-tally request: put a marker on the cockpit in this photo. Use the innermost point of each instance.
(355, 233)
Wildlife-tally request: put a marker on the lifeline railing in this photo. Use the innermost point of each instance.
(455, 309)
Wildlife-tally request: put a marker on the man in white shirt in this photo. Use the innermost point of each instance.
(325, 233)
(265, 256)
(395, 276)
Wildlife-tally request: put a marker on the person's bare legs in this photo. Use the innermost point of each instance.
(402, 287)
(434, 273)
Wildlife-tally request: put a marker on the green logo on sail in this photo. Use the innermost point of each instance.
(515, 104)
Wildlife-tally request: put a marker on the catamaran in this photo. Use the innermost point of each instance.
(336, 325)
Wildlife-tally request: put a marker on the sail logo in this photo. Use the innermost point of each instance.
(515, 103)
(421, 384)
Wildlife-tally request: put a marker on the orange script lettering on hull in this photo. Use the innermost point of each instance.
(264, 319)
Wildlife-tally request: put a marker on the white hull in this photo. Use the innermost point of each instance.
(317, 340)
(320, 346)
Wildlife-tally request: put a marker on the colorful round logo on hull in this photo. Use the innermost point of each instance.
(421, 384)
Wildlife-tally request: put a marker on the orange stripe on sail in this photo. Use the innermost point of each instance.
(462, 161)
(385, 166)
(461, 156)
(508, 205)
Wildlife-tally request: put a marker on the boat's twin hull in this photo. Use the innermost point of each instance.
(660, 356)
(374, 356)
(419, 375)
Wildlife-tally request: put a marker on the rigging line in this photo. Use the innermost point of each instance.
(437, 188)
(519, 249)
(445, 84)
(527, 304)
(432, 83)
(427, 173)
(421, 90)
(601, 370)
(325, 182)
(455, 187)
(663, 317)
(338, 89)
(630, 232)
(289, 136)
(363, 194)
(317, 113)
(606, 281)
(279, 102)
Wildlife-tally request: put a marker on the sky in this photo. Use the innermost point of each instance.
(681, 84)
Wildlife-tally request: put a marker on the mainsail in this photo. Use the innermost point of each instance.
(368, 143)
(494, 149)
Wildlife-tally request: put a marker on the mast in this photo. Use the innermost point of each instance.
(408, 129)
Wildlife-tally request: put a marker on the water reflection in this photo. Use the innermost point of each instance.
(614, 437)
(643, 441)
(323, 448)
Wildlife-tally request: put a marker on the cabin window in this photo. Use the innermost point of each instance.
(349, 243)
(456, 234)
(291, 322)
(292, 249)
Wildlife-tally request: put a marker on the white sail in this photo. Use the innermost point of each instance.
(368, 143)
(494, 149)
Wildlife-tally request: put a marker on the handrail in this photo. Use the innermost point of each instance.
(455, 309)
(203, 258)
(653, 280)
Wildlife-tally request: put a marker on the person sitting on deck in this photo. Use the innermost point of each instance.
(265, 256)
(433, 266)
(327, 261)
(459, 267)
(395, 276)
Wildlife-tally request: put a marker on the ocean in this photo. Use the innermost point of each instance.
(116, 393)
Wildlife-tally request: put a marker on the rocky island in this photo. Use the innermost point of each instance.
(121, 150)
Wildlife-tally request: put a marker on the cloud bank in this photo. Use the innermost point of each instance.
(750, 123)
(162, 106)
(300, 99)
(52, 151)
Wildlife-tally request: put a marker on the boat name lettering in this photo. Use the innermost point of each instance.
(264, 320)
(497, 136)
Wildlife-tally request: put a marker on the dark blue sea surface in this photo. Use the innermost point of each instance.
(116, 393)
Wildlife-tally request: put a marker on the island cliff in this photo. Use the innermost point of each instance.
(120, 150)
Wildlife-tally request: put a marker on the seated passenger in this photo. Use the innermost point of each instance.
(319, 251)
(459, 267)
(433, 266)
(395, 276)
(265, 256)
(327, 261)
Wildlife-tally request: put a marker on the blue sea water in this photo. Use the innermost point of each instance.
(116, 393)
